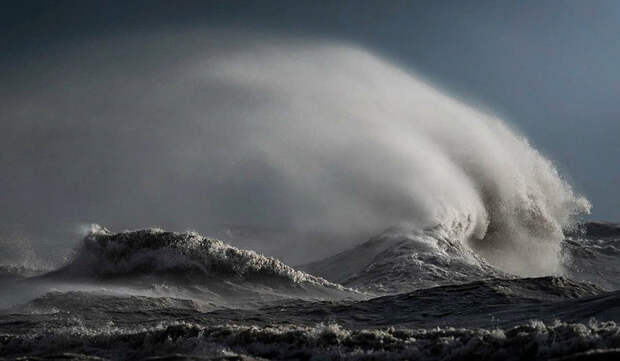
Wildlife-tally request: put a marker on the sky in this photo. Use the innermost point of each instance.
(548, 68)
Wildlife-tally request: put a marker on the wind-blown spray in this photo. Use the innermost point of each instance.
(309, 136)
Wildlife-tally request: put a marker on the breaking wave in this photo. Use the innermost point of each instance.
(295, 134)
(106, 255)
(390, 150)
(358, 143)
(155, 263)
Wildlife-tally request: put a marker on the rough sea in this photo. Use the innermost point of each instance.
(152, 294)
(484, 257)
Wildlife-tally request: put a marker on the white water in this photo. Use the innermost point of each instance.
(362, 144)
(300, 134)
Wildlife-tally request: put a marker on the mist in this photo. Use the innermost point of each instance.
(298, 147)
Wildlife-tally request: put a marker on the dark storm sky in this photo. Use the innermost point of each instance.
(549, 68)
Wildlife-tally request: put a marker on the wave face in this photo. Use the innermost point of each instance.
(325, 136)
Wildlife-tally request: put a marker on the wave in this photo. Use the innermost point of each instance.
(485, 304)
(483, 320)
(325, 136)
(186, 264)
(154, 251)
(401, 260)
(592, 253)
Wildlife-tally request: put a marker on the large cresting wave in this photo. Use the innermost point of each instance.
(305, 135)
(364, 144)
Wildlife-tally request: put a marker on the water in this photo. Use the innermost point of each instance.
(146, 293)
(477, 252)
(203, 129)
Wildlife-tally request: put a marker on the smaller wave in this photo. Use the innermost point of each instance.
(153, 251)
(190, 266)
(402, 259)
(480, 304)
(481, 320)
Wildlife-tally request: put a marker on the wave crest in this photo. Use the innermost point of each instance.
(153, 251)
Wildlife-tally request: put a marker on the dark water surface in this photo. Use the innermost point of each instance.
(158, 295)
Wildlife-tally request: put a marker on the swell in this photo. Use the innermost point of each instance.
(492, 319)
